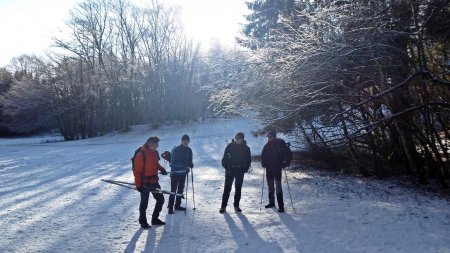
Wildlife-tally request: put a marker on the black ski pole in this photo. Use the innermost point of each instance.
(187, 187)
(262, 188)
(193, 192)
(289, 190)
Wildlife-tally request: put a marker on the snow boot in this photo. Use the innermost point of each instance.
(170, 210)
(280, 202)
(180, 208)
(270, 205)
(271, 199)
(237, 209)
(145, 225)
(156, 221)
(222, 210)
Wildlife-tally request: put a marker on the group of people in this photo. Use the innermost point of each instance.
(236, 161)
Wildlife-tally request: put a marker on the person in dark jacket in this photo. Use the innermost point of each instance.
(236, 161)
(181, 162)
(145, 170)
(275, 156)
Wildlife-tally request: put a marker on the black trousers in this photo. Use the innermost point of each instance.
(144, 204)
(274, 184)
(176, 185)
(229, 178)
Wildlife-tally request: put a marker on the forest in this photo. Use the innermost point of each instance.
(116, 65)
(367, 80)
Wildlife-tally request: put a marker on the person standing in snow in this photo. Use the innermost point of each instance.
(275, 156)
(146, 167)
(236, 161)
(181, 163)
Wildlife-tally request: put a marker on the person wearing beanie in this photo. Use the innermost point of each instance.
(145, 169)
(275, 156)
(181, 163)
(236, 161)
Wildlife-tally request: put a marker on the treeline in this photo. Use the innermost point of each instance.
(115, 64)
(366, 78)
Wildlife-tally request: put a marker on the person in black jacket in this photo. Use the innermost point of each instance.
(275, 156)
(236, 161)
(181, 163)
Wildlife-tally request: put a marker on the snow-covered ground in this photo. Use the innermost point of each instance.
(52, 200)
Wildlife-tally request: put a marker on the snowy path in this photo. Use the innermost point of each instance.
(52, 200)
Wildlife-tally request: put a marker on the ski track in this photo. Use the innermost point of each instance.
(52, 200)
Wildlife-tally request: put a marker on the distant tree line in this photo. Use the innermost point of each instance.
(116, 64)
(367, 78)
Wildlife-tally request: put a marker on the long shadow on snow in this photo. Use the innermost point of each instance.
(172, 234)
(293, 226)
(151, 240)
(131, 247)
(98, 218)
(55, 188)
(249, 240)
(84, 196)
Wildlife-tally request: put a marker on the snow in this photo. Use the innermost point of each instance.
(52, 200)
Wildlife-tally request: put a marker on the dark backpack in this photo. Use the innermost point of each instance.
(134, 157)
(287, 153)
(283, 152)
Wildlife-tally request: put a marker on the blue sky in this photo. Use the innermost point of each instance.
(27, 26)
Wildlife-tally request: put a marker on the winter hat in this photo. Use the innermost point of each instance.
(239, 135)
(272, 133)
(153, 139)
(185, 137)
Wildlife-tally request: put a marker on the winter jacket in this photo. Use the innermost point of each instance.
(149, 174)
(181, 159)
(276, 155)
(237, 158)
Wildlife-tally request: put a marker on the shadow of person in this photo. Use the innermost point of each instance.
(132, 244)
(171, 239)
(151, 240)
(249, 240)
(293, 226)
(308, 235)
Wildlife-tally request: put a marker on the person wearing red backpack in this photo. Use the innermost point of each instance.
(145, 170)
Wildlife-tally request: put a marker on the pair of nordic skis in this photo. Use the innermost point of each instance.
(152, 190)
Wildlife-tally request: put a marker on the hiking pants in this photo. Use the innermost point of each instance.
(274, 177)
(176, 185)
(229, 178)
(144, 204)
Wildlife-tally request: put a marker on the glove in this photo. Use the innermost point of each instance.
(188, 170)
(191, 165)
(139, 189)
(164, 172)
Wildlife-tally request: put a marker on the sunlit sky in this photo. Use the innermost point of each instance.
(27, 26)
